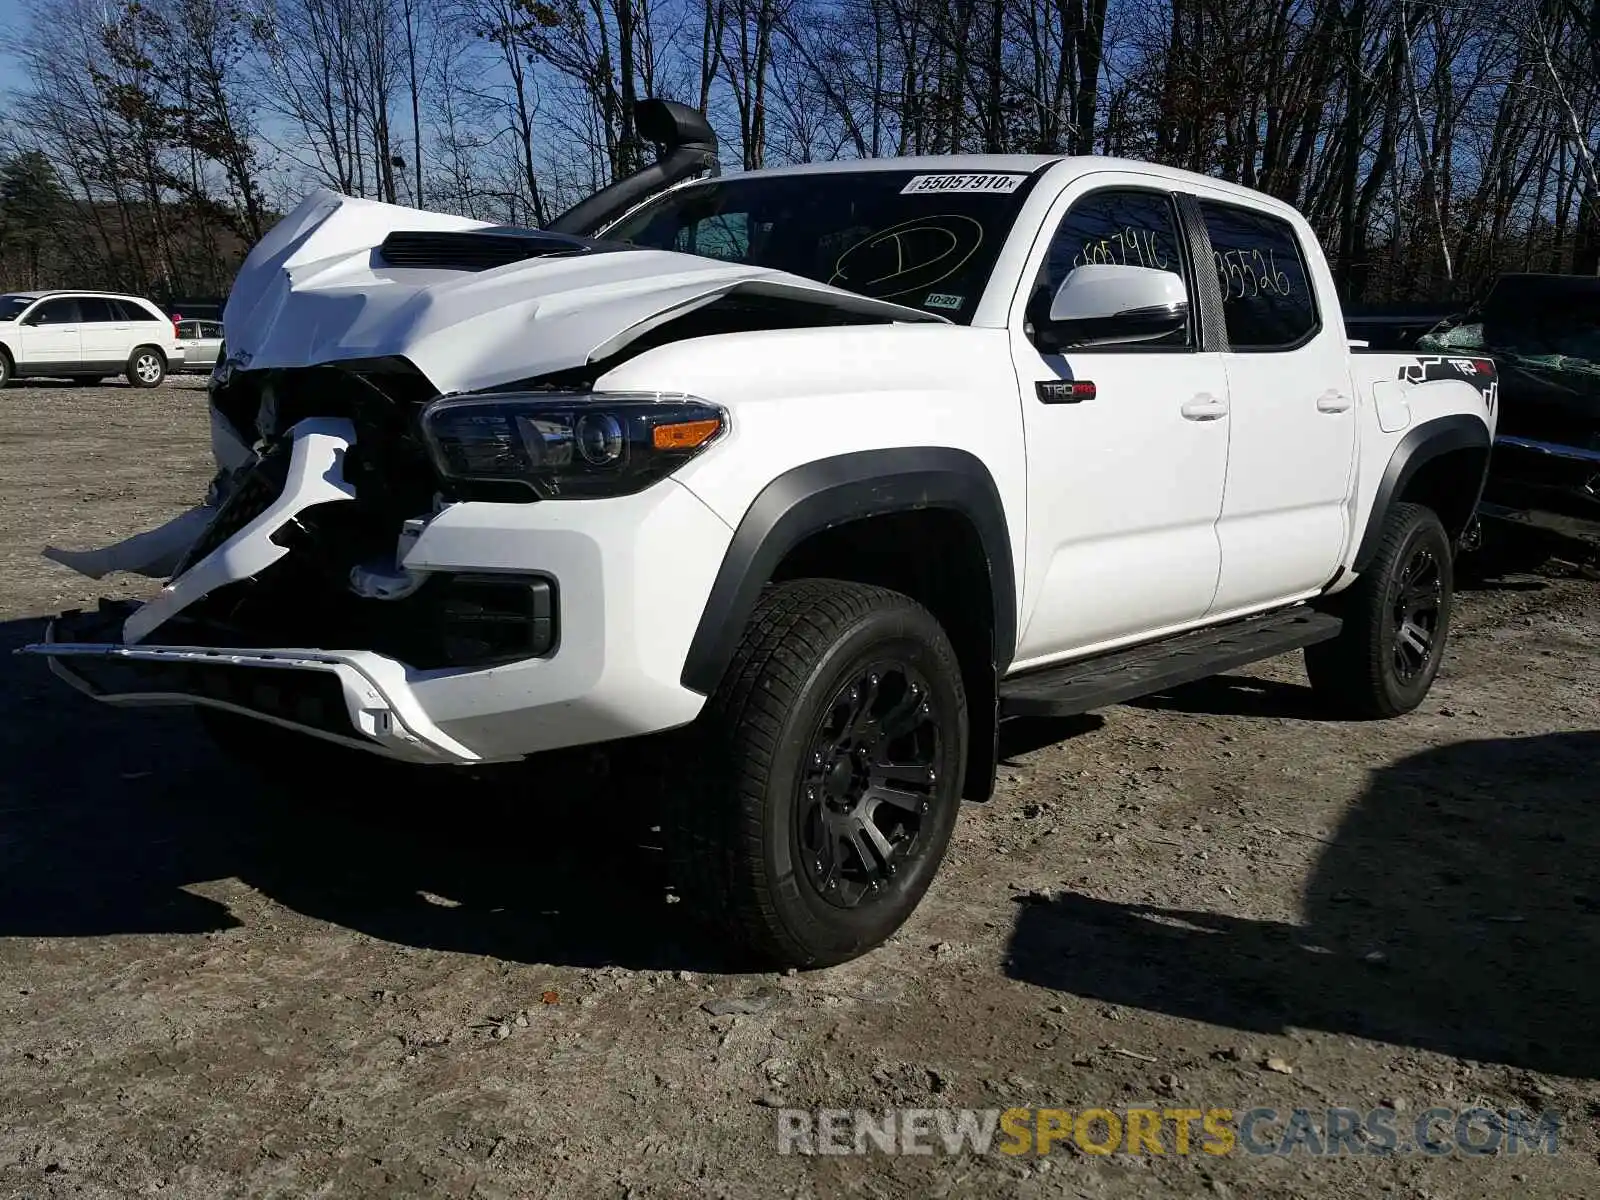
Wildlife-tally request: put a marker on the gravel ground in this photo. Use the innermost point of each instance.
(1210, 899)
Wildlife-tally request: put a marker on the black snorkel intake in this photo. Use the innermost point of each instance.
(685, 145)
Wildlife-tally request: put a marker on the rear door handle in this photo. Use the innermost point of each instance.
(1204, 407)
(1333, 402)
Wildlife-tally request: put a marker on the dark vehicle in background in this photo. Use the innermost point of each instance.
(1393, 326)
(1542, 496)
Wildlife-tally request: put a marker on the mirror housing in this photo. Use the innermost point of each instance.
(1100, 304)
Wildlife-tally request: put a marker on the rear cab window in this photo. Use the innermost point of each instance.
(1267, 301)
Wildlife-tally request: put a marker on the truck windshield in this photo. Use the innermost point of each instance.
(925, 239)
(11, 306)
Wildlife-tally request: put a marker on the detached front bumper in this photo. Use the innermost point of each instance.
(354, 697)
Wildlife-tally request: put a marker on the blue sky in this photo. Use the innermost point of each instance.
(11, 76)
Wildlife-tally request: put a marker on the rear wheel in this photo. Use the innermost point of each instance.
(146, 367)
(825, 775)
(1396, 621)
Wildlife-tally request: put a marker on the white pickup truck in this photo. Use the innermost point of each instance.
(828, 470)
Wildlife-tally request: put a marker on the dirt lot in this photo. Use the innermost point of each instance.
(209, 990)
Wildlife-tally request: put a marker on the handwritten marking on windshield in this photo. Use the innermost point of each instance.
(924, 250)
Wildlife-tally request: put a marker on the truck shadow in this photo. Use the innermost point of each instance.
(107, 817)
(1240, 696)
(1456, 910)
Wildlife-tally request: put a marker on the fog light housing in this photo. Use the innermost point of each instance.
(489, 619)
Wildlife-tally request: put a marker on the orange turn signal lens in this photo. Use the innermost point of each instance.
(684, 435)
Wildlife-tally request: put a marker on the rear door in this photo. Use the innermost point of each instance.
(1125, 478)
(49, 335)
(1292, 415)
(104, 330)
(149, 327)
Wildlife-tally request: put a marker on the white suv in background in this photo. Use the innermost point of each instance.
(86, 336)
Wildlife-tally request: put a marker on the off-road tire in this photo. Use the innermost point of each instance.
(739, 807)
(147, 367)
(1363, 672)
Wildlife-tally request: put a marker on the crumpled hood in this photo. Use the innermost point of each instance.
(315, 290)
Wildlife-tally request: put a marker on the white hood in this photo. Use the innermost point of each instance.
(314, 291)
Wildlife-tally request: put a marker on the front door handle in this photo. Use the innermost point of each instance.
(1333, 402)
(1204, 407)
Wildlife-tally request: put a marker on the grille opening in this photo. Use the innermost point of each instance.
(252, 496)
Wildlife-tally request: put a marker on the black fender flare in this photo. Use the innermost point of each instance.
(1421, 444)
(831, 491)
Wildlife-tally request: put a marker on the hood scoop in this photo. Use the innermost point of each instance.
(475, 250)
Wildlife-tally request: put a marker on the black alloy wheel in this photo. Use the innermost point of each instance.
(867, 784)
(821, 784)
(1396, 621)
(1417, 609)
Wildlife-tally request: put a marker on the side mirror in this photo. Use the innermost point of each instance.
(1102, 304)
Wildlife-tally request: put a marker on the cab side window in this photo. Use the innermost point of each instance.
(1132, 227)
(1267, 303)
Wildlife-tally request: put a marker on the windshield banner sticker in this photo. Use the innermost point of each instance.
(945, 184)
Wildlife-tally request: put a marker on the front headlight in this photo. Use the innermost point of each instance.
(568, 445)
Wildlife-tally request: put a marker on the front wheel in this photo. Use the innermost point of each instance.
(826, 774)
(5, 367)
(1396, 620)
(146, 367)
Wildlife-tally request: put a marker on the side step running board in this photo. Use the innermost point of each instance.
(1078, 687)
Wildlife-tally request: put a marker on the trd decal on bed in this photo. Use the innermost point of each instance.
(1478, 371)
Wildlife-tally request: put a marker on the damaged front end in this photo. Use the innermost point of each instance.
(303, 544)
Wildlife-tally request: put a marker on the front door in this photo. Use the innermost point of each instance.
(50, 335)
(1292, 411)
(1125, 478)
